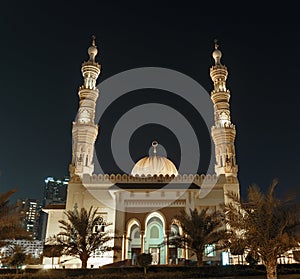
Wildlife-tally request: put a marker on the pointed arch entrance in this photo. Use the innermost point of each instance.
(175, 252)
(134, 245)
(154, 237)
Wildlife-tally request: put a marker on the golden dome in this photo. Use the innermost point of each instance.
(154, 165)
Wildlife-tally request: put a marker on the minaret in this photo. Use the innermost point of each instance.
(84, 129)
(223, 132)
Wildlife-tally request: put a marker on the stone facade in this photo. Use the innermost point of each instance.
(142, 208)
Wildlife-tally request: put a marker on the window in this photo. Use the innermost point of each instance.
(210, 250)
(136, 234)
(174, 230)
(99, 228)
(154, 232)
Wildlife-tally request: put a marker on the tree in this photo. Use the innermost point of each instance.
(236, 244)
(200, 228)
(52, 249)
(17, 258)
(296, 255)
(266, 224)
(252, 258)
(144, 260)
(10, 221)
(83, 233)
(33, 260)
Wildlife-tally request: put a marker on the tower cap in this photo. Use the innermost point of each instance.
(92, 51)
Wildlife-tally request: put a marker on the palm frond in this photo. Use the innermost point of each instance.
(78, 235)
(263, 223)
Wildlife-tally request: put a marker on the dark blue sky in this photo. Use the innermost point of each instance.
(42, 48)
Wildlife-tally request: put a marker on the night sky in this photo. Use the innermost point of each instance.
(42, 48)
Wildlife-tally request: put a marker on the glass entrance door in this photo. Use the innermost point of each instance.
(154, 251)
(172, 255)
(134, 253)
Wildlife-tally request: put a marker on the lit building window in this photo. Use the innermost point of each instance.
(99, 229)
(210, 250)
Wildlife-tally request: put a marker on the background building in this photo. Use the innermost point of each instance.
(30, 212)
(55, 191)
(55, 195)
(30, 247)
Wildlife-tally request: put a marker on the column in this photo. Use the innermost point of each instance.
(123, 247)
(167, 235)
(142, 242)
(126, 247)
(186, 251)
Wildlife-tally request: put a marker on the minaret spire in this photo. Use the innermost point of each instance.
(94, 40)
(92, 51)
(84, 129)
(216, 43)
(217, 54)
(223, 132)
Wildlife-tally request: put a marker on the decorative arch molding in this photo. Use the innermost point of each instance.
(130, 224)
(158, 215)
(177, 223)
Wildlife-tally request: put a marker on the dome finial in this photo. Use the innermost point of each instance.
(217, 54)
(93, 49)
(154, 144)
(216, 43)
(93, 40)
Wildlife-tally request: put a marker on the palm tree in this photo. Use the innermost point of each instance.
(52, 249)
(265, 224)
(200, 228)
(236, 245)
(18, 258)
(144, 260)
(10, 220)
(81, 236)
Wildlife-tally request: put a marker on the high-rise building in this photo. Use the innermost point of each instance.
(55, 191)
(30, 247)
(30, 210)
(55, 194)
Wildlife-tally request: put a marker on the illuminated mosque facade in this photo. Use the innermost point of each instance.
(139, 205)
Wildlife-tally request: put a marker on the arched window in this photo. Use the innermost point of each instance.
(98, 229)
(135, 231)
(154, 232)
(174, 230)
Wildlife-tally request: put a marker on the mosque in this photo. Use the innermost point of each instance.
(142, 205)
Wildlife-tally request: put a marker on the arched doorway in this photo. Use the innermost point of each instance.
(175, 252)
(133, 241)
(155, 237)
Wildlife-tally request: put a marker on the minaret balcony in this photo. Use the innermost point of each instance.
(87, 93)
(91, 66)
(220, 96)
(218, 72)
